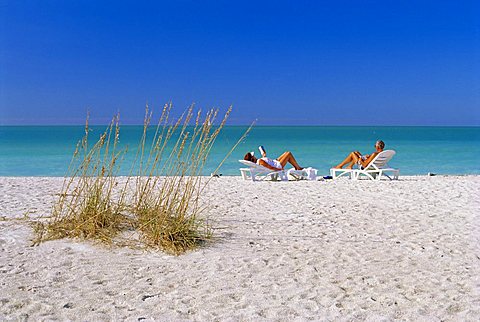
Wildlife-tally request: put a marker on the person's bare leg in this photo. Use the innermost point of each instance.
(348, 159)
(355, 157)
(351, 159)
(288, 157)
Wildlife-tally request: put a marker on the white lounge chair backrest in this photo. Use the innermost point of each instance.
(255, 170)
(381, 160)
(251, 164)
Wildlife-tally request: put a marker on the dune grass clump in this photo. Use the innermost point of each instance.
(167, 198)
(86, 207)
(164, 205)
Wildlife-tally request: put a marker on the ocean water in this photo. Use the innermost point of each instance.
(47, 150)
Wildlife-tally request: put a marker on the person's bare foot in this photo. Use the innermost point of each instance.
(337, 167)
(300, 168)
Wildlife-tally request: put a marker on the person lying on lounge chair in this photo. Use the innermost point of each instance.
(274, 164)
(362, 160)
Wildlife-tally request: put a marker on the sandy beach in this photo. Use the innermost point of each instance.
(283, 251)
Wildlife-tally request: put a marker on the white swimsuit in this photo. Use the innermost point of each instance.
(271, 162)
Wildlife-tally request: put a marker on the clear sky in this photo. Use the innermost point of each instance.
(281, 62)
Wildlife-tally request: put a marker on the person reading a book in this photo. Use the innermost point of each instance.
(273, 164)
(356, 157)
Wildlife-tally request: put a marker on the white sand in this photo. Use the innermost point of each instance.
(333, 250)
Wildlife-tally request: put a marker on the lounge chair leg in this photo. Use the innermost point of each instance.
(252, 174)
(244, 174)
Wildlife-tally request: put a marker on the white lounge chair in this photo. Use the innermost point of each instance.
(258, 172)
(377, 168)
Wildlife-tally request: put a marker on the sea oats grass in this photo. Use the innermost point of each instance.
(86, 207)
(160, 199)
(167, 203)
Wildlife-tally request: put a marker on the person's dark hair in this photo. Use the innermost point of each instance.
(381, 144)
(249, 157)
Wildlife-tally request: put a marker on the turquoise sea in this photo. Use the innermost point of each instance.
(47, 150)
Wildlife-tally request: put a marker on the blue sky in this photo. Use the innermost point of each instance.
(292, 62)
